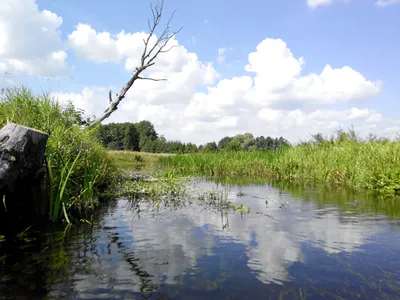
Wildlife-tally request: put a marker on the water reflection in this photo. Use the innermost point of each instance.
(309, 247)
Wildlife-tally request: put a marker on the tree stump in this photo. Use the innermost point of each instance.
(22, 170)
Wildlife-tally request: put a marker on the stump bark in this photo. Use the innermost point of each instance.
(22, 171)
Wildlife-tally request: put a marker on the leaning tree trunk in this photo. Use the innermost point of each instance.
(22, 171)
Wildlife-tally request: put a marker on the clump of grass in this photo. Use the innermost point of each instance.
(342, 161)
(78, 167)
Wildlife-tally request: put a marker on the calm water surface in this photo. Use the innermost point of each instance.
(319, 245)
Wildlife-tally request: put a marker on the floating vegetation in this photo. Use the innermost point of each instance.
(241, 208)
(157, 186)
(165, 189)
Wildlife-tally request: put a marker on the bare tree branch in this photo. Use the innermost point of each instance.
(109, 97)
(153, 79)
(147, 60)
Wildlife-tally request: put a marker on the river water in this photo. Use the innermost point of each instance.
(304, 244)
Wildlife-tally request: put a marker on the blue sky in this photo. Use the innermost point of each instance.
(359, 34)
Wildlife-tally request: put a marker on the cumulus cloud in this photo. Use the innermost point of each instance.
(178, 64)
(275, 98)
(325, 121)
(182, 69)
(278, 79)
(90, 45)
(29, 40)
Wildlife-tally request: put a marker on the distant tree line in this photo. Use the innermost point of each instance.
(142, 136)
(139, 136)
(245, 142)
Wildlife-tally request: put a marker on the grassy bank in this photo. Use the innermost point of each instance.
(78, 167)
(371, 165)
(135, 161)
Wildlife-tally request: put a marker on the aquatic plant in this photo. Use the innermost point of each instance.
(241, 208)
(158, 185)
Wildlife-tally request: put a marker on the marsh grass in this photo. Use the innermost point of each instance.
(371, 165)
(135, 161)
(78, 167)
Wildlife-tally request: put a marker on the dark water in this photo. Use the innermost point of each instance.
(320, 245)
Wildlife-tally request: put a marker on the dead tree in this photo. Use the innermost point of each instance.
(149, 55)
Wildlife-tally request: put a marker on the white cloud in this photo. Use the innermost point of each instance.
(387, 2)
(90, 45)
(182, 69)
(278, 79)
(274, 99)
(29, 40)
(315, 3)
(324, 120)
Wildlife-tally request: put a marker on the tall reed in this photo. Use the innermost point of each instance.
(78, 167)
(371, 165)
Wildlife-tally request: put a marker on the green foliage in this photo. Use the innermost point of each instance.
(247, 142)
(139, 137)
(78, 166)
(224, 142)
(342, 160)
(146, 133)
(234, 145)
(143, 137)
(211, 147)
(118, 136)
(131, 138)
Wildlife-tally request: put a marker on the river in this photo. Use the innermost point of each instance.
(304, 243)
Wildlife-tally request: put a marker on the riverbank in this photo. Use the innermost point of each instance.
(372, 165)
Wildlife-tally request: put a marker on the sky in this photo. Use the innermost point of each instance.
(287, 68)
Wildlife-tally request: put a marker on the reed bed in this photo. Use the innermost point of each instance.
(371, 165)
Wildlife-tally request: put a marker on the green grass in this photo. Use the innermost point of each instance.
(78, 167)
(135, 161)
(371, 165)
